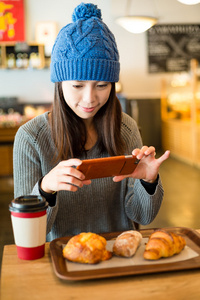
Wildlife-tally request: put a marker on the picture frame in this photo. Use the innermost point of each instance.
(12, 23)
(45, 33)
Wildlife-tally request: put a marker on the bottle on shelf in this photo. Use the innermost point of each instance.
(19, 61)
(11, 62)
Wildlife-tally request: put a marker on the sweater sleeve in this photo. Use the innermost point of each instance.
(141, 207)
(142, 202)
(27, 169)
(26, 164)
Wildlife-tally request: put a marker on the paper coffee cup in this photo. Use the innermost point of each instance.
(29, 221)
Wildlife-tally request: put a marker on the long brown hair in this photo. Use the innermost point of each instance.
(69, 131)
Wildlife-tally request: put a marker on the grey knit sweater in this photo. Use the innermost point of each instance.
(103, 206)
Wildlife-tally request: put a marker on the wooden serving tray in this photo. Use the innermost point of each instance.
(108, 268)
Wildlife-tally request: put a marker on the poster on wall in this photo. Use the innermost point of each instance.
(46, 33)
(12, 21)
(171, 47)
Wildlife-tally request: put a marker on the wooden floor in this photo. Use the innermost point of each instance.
(180, 208)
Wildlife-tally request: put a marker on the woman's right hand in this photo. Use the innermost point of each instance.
(64, 177)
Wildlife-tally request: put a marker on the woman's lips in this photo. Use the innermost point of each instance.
(87, 109)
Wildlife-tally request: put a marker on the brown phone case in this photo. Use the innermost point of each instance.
(108, 166)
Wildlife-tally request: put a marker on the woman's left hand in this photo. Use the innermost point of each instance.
(148, 166)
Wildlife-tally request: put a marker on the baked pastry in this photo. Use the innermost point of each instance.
(163, 244)
(127, 243)
(86, 247)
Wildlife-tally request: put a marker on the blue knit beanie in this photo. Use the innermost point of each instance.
(85, 49)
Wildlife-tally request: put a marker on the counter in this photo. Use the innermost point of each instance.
(6, 150)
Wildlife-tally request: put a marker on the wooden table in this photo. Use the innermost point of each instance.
(26, 280)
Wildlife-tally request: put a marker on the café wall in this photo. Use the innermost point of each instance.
(35, 85)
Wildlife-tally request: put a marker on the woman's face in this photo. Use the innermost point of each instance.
(85, 98)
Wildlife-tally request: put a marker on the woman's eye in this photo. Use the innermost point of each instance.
(102, 85)
(77, 86)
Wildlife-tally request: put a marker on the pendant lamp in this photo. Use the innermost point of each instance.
(189, 2)
(136, 23)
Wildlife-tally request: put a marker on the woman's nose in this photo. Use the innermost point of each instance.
(89, 95)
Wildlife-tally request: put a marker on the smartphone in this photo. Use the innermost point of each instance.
(108, 166)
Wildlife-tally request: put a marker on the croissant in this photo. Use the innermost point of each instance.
(163, 244)
(86, 247)
(127, 243)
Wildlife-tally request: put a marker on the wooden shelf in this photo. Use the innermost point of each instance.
(25, 55)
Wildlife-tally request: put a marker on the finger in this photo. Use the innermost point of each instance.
(77, 184)
(120, 178)
(139, 153)
(136, 151)
(86, 182)
(73, 186)
(71, 180)
(153, 154)
(163, 157)
(71, 171)
(67, 187)
(145, 151)
(150, 151)
(71, 162)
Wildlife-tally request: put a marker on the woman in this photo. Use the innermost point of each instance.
(86, 122)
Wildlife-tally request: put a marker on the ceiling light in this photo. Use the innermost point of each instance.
(136, 24)
(189, 2)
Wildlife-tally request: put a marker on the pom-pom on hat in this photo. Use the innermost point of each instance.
(85, 49)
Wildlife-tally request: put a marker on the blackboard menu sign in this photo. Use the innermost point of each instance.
(171, 47)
